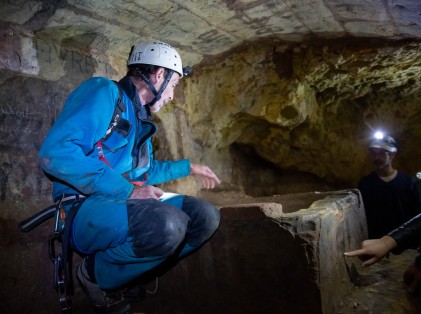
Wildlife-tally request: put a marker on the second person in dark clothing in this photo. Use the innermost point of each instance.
(390, 197)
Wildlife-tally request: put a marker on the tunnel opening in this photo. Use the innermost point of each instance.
(258, 177)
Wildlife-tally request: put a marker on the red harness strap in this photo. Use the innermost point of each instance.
(101, 157)
(140, 183)
(101, 153)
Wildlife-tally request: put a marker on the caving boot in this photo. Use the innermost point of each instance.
(101, 301)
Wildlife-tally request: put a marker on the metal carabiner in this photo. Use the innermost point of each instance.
(55, 235)
(60, 285)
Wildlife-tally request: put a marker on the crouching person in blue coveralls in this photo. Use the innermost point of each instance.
(99, 153)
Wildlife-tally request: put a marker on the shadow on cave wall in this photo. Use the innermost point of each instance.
(257, 177)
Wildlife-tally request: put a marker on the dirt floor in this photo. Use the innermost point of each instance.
(381, 290)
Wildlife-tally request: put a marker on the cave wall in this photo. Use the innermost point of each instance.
(29, 105)
(308, 107)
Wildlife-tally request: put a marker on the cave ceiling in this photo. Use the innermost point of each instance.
(200, 29)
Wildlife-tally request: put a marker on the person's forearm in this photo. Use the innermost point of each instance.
(389, 242)
(408, 235)
(164, 171)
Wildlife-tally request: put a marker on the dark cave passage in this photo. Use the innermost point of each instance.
(258, 177)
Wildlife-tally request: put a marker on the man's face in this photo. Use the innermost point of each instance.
(380, 158)
(168, 93)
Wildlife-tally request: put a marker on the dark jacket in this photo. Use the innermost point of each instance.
(389, 204)
(408, 235)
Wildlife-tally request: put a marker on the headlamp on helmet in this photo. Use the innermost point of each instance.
(383, 141)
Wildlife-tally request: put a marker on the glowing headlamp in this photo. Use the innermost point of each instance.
(379, 135)
(383, 141)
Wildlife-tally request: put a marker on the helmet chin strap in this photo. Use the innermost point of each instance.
(152, 88)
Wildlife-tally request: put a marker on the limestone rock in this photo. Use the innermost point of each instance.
(288, 259)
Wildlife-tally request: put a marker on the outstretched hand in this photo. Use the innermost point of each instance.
(205, 174)
(373, 251)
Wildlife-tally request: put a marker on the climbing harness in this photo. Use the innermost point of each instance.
(62, 261)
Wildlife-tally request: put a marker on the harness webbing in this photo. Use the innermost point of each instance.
(35, 220)
(119, 109)
(121, 125)
(101, 153)
(66, 248)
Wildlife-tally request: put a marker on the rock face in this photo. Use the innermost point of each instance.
(270, 255)
(303, 108)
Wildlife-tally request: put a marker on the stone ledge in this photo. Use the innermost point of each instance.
(282, 252)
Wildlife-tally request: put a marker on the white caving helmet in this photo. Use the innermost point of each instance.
(156, 53)
(160, 54)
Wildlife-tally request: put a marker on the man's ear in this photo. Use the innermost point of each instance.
(157, 76)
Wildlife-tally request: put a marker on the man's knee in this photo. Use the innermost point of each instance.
(172, 232)
(156, 229)
(204, 215)
(212, 217)
(207, 214)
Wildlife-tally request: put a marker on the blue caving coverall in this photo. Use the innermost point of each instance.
(128, 237)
